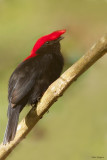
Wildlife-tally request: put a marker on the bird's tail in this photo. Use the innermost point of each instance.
(13, 117)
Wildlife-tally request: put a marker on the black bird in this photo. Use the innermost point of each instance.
(32, 77)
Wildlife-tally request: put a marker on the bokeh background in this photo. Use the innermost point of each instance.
(76, 126)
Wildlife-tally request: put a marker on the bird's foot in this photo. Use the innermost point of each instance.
(34, 105)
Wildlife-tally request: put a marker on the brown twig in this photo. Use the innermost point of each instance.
(54, 92)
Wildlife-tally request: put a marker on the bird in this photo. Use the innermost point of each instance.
(32, 77)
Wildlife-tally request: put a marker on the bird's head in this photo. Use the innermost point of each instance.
(46, 41)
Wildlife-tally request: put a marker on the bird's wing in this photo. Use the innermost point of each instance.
(20, 85)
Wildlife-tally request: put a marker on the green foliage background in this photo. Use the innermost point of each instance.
(76, 126)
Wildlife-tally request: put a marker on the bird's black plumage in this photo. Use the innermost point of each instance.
(30, 80)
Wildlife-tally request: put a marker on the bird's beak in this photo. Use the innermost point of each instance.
(60, 38)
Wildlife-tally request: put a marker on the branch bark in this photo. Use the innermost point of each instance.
(54, 91)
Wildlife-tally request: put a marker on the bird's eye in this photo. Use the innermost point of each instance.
(47, 42)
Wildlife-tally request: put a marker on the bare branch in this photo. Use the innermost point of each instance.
(54, 91)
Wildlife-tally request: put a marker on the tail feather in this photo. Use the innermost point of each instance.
(13, 118)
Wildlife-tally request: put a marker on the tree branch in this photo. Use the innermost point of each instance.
(54, 91)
